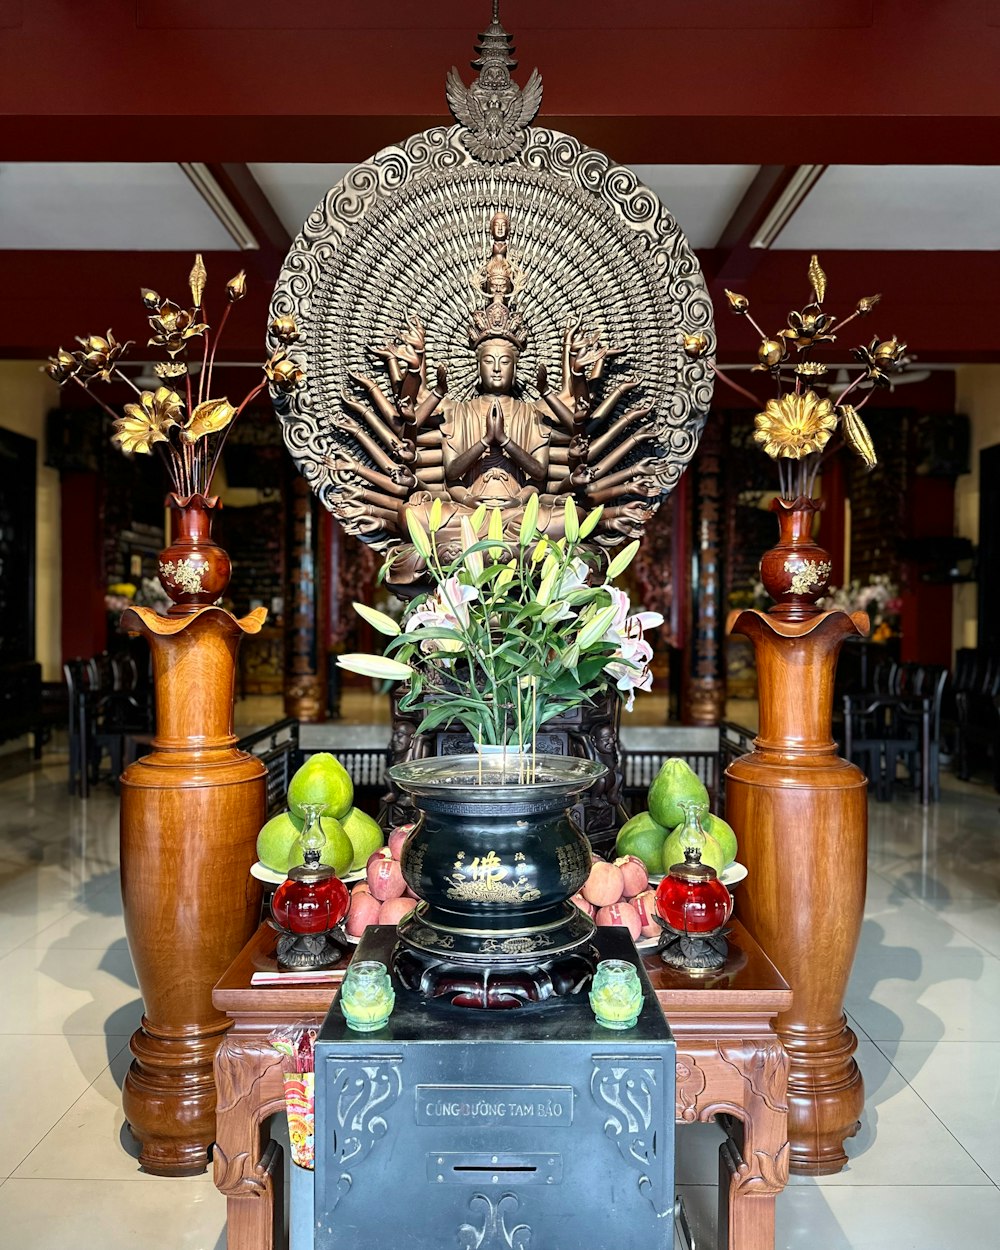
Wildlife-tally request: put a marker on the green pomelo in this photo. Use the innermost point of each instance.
(722, 833)
(338, 851)
(275, 840)
(643, 837)
(324, 780)
(365, 835)
(675, 846)
(674, 784)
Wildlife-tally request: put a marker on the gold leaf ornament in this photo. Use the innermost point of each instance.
(817, 279)
(197, 279)
(208, 418)
(856, 435)
(236, 287)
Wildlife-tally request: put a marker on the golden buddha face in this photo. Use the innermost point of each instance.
(497, 366)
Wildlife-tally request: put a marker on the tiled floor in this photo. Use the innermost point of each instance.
(925, 1001)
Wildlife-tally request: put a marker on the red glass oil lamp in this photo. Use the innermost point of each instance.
(309, 906)
(694, 906)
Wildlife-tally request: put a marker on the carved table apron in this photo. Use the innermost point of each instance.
(730, 1065)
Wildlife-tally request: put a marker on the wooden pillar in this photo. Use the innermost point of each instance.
(801, 816)
(703, 681)
(190, 814)
(305, 615)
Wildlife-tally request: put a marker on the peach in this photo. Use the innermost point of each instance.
(623, 914)
(393, 910)
(385, 877)
(605, 884)
(635, 874)
(398, 837)
(364, 911)
(360, 887)
(645, 905)
(582, 903)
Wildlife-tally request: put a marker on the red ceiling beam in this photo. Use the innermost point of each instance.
(764, 81)
(942, 303)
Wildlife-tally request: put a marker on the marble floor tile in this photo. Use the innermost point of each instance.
(39, 1076)
(188, 1214)
(69, 991)
(960, 1083)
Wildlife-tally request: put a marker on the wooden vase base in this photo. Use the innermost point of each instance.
(169, 1099)
(826, 1096)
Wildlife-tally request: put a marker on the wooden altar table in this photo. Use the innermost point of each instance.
(730, 1065)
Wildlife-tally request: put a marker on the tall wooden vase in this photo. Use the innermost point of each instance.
(190, 814)
(801, 816)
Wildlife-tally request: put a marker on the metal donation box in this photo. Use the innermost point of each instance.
(526, 1129)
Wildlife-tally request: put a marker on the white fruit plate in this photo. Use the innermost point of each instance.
(263, 873)
(732, 875)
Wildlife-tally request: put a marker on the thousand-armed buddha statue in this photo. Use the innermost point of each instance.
(496, 447)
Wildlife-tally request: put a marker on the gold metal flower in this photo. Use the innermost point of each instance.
(879, 358)
(737, 303)
(61, 366)
(150, 298)
(285, 329)
(806, 328)
(170, 369)
(99, 355)
(856, 435)
(284, 373)
(810, 369)
(795, 425)
(865, 304)
(770, 354)
(145, 423)
(695, 345)
(208, 418)
(236, 287)
(173, 327)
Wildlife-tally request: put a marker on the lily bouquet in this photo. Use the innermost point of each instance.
(512, 632)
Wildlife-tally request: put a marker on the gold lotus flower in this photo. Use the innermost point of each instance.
(865, 304)
(173, 327)
(810, 369)
(806, 328)
(170, 369)
(795, 425)
(879, 358)
(145, 423)
(97, 360)
(61, 366)
(284, 373)
(856, 435)
(695, 345)
(150, 298)
(737, 303)
(770, 354)
(236, 287)
(285, 329)
(208, 418)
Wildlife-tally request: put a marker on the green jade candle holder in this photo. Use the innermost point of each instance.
(616, 994)
(366, 996)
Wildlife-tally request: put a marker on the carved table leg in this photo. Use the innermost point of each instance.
(745, 1080)
(248, 1164)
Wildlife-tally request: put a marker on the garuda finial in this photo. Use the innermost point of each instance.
(494, 110)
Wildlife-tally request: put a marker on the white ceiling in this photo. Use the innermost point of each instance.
(96, 206)
(899, 208)
(154, 207)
